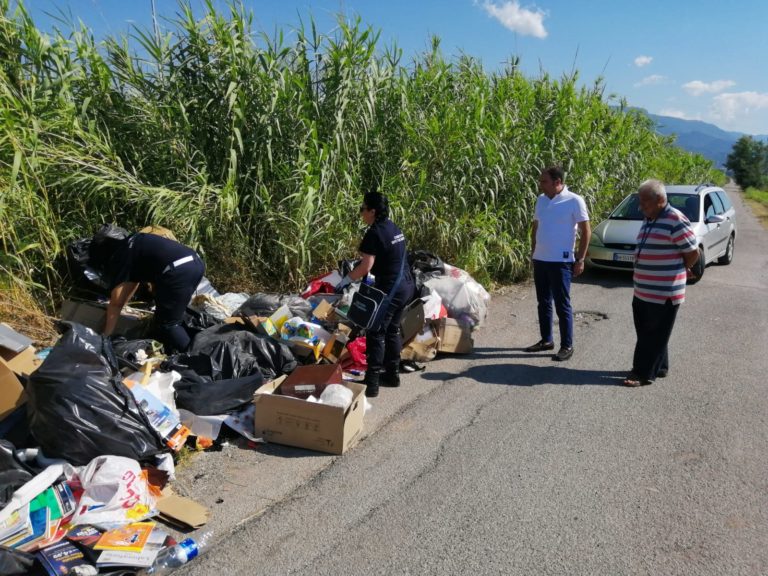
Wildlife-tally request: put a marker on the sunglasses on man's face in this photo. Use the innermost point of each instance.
(363, 208)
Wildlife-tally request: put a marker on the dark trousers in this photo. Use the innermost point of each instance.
(653, 326)
(384, 343)
(553, 283)
(173, 291)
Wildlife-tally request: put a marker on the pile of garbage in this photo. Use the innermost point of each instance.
(90, 429)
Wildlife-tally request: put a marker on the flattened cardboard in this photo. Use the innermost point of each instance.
(455, 337)
(92, 314)
(12, 340)
(181, 510)
(295, 422)
(11, 391)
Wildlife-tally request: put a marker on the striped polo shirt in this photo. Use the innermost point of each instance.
(659, 267)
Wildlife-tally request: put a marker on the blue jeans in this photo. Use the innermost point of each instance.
(553, 282)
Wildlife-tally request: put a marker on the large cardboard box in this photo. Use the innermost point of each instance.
(295, 422)
(311, 380)
(455, 337)
(132, 323)
(11, 391)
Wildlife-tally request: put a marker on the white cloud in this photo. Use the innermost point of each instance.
(733, 105)
(525, 21)
(675, 113)
(641, 61)
(650, 80)
(697, 87)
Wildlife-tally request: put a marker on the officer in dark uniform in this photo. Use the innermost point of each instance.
(383, 254)
(173, 269)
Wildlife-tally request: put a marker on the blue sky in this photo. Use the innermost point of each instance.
(694, 59)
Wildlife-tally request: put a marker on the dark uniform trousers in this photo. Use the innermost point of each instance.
(173, 291)
(383, 343)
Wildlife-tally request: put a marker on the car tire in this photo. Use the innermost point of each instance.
(727, 258)
(698, 268)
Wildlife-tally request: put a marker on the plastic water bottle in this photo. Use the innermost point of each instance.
(175, 556)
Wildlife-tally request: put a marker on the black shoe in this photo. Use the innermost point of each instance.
(371, 381)
(662, 373)
(540, 346)
(563, 354)
(390, 379)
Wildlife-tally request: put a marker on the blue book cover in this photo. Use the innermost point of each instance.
(61, 558)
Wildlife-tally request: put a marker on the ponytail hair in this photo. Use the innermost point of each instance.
(377, 201)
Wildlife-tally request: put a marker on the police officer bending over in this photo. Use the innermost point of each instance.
(173, 269)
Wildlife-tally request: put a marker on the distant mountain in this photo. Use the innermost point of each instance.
(699, 137)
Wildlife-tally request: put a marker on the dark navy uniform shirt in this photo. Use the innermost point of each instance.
(144, 258)
(386, 242)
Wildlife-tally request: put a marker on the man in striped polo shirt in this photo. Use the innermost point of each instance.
(666, 250)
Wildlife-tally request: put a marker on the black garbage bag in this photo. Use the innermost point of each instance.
(247, 352)
(13, 473)
(206, 387)
(266, 304)
(127, 351)
(15, 562)
(87, 258)
(224, 367)
(195, 321)
(78, 406)
(424, 266)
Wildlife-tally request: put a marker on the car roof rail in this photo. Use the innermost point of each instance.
(704, 185)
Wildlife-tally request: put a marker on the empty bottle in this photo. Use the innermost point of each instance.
(174, 556)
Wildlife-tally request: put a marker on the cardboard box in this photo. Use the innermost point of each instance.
(423, 347)
(455, 337)
(259, 324)
(306, 381)
(16, 352)
(412, 320)
(335, 348)
(11, 391)
(324, 311)
(132, 323)
(295, 422)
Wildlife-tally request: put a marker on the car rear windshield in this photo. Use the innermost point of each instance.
(629, 209)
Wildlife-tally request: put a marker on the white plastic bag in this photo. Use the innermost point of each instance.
(115, 491)
(463, 297)
(337, 395)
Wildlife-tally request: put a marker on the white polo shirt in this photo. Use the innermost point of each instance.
(558, 221)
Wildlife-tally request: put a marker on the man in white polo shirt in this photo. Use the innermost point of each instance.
(666, 249)
(559, 214)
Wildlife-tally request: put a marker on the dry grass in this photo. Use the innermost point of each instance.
(760, 210)
(22, 312)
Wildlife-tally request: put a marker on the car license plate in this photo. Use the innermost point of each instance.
(624, 257)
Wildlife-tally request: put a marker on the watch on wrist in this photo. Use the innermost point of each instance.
(579, 260)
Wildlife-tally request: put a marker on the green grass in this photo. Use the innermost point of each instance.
(256, 150)
(760, 196)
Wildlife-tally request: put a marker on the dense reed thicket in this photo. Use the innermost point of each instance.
(256, 150)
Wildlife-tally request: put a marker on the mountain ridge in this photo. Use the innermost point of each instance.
(698, 136)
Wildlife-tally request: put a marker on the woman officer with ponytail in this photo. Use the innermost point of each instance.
(384, 255)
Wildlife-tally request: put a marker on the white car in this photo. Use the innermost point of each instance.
(709, 209)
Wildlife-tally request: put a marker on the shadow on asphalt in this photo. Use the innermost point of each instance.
(527, 375)
(605, 278)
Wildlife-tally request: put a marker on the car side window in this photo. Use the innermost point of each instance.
(725, 200)
(709, 207)
(718, 203)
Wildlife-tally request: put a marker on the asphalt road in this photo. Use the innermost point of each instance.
(502, 462)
